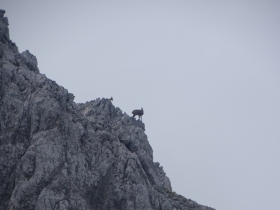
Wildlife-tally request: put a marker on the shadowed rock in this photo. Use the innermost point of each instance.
(2, 12)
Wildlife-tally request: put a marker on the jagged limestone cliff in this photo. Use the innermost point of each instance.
(56, 154)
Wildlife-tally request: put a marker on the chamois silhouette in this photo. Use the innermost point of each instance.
(138, 112)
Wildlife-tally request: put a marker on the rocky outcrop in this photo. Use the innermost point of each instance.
(56, 154)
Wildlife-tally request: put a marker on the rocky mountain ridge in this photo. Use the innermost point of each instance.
(56, 154)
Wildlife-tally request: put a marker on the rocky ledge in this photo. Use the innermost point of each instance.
(56, 154)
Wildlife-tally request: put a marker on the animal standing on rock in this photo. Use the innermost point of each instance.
(104, 155)
(111, 99)
(138, 112)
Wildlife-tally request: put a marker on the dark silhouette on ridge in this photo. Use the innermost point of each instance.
(138, 112)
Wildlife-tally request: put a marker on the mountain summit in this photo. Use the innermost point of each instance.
(59, 155)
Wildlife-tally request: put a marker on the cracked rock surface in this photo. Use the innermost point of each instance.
(59, 155)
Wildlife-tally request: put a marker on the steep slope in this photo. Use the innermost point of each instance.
(56, 154)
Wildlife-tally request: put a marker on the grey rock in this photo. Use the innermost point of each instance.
(4, 30)
(30, 61)
(59, 155)
(2, 12)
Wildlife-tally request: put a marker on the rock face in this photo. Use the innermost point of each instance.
(56, 154)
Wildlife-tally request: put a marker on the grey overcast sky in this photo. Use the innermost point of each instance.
(206, 72)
